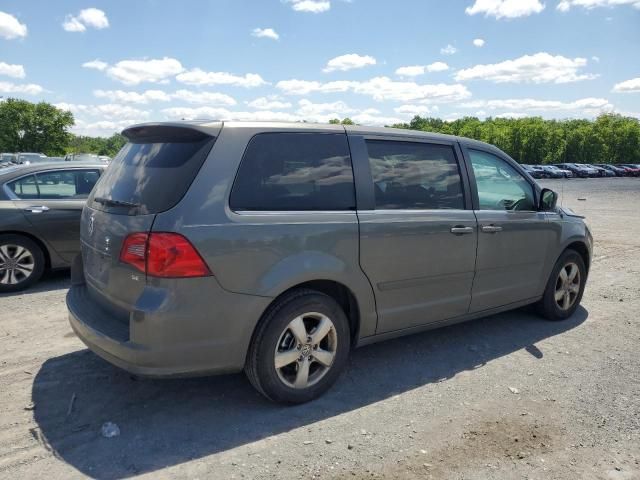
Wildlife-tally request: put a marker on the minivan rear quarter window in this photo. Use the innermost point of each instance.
(295, 171)
(153, 170)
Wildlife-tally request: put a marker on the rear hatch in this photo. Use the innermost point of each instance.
(151, 174)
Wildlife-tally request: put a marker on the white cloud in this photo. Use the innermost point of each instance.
(415, 70)
(373, 117)
(133, 97)
(20, 88)
(628, 86)
(72, 24)
(448, 50)
(108, 111)
(478, 42)
(588, 106)
(349, 61)
(268, 103)
(133, 72)
(413, 110)
(310, 6)
(595, 59)
(265, 33)
(565, 5)
(211, 98)
(10, 27)
(309, 112)
(512, 115)
(505, 8)
(383, 88)
(197, 76)
(189, 113)
(96, 65)
(12, 70)
(380, 89)
(314, 110)
(538, 68)
(102, 128)
(89, 17)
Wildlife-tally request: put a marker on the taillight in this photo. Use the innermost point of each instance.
(163, 254)
(134, 250)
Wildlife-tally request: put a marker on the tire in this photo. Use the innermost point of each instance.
(275, 339)
(27, 259)
(554, 305)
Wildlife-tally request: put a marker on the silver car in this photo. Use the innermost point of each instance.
(275, 248)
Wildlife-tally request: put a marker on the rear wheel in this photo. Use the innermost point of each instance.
(300, 348)
(565, 287)
(21, 262)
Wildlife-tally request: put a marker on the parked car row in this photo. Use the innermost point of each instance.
(582, 170)
(30, 158)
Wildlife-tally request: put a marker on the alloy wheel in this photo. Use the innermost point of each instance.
(567, 286)
(16, 264)
(306, 350)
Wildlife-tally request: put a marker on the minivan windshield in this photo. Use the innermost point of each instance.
(151, 174)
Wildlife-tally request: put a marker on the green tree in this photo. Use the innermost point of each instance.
(31, 127)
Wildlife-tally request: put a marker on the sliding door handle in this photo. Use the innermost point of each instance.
(460, 230)
(491, 229)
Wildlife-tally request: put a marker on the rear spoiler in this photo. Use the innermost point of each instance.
(171, 132)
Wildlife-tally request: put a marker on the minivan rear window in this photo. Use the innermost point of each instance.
(293, 172)
(152, 173)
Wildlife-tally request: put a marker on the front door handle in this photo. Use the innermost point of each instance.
(37, 209)
(491, 229)
(460, 230)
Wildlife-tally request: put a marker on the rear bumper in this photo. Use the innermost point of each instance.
(178, 334)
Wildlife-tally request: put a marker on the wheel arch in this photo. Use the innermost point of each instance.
(581, 248)
(332, 288)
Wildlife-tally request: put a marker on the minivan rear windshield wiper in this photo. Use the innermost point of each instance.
(115, 203)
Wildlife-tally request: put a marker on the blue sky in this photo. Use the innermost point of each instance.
(377, 61)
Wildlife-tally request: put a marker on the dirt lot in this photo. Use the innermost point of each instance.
(510, 396)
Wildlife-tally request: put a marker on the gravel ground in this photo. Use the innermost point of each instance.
(509, 396)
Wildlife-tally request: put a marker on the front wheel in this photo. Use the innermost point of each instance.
(565, 287)
(300, 347)
(21, 263)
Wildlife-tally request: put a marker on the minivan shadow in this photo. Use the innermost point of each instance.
(167, 422)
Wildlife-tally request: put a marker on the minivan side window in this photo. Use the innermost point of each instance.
(414, 175)
(500, 186)
(295, 171)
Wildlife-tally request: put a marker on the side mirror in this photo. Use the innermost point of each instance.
(548, 200)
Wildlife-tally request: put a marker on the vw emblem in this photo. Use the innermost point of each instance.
(92, 220)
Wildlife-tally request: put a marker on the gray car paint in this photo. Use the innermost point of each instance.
(405, 269)
(55, 230)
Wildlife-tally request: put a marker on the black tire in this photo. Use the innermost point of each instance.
(260, 367)
(548, 307)
(37, 254)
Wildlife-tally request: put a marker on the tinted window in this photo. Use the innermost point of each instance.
(62, 184)
(154, 172)
(295, 171)
(409, 175)
(500, 186)
(25, 187)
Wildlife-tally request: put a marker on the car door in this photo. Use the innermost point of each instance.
(417, 230)
(52, 202)
(513, 236)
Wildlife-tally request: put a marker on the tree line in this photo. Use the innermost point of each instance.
(609, 138)
(41, 127)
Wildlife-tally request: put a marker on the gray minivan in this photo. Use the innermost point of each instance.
(213, 247)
